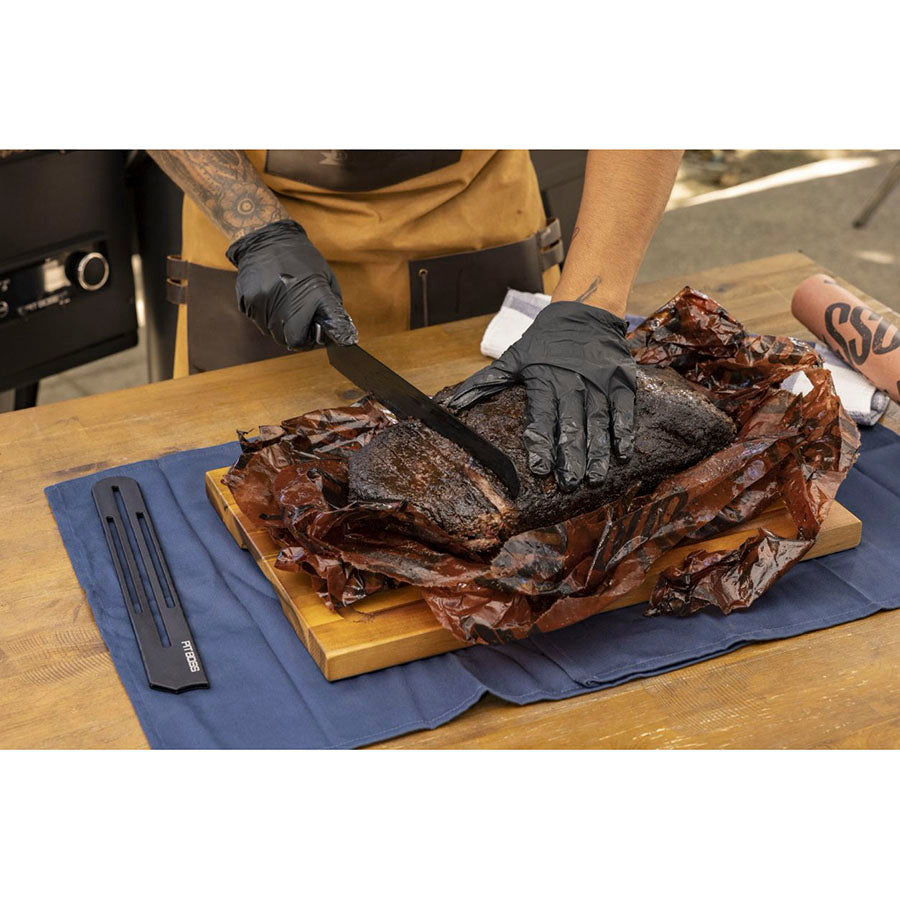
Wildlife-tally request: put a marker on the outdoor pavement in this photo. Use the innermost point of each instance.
(808, 208)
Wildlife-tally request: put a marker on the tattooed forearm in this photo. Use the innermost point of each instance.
(225, 185)
(624, 196)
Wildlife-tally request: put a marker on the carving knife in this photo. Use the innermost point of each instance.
(408, 402)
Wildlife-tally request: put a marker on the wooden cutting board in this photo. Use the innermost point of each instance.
(397, 626)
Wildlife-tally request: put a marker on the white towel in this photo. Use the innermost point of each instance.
(516, 313)
(864, 402)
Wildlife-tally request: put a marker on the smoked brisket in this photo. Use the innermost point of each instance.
(675, 427)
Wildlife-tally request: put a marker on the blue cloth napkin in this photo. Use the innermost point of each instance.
(266, 691)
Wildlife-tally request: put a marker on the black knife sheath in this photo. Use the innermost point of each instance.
(167, 647)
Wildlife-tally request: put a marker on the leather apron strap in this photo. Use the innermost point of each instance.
(218, 333)
(462, 285)
(350, 171)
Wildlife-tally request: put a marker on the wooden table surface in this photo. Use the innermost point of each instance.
(58, 687)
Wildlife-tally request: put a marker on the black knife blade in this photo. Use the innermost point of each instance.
(407, 401)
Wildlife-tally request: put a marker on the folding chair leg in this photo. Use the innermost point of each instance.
(890, 182)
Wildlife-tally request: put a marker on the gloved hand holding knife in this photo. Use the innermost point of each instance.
(285, 285)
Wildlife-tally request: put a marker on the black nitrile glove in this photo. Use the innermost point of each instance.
(580, 381)
(286, 287)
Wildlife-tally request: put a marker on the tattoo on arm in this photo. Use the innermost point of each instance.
(225, 185)
(592, 288)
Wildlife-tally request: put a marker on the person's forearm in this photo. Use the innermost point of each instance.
(224, 184)
(625, 194)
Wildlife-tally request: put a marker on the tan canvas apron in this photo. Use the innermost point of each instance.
(486, 198)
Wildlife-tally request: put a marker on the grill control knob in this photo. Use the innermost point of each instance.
(90, 271)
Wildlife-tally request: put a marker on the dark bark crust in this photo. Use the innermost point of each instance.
(676, 427)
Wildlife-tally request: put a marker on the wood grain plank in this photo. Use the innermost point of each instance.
(832, 688)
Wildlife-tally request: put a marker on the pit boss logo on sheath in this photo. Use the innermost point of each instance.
(190, 656)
